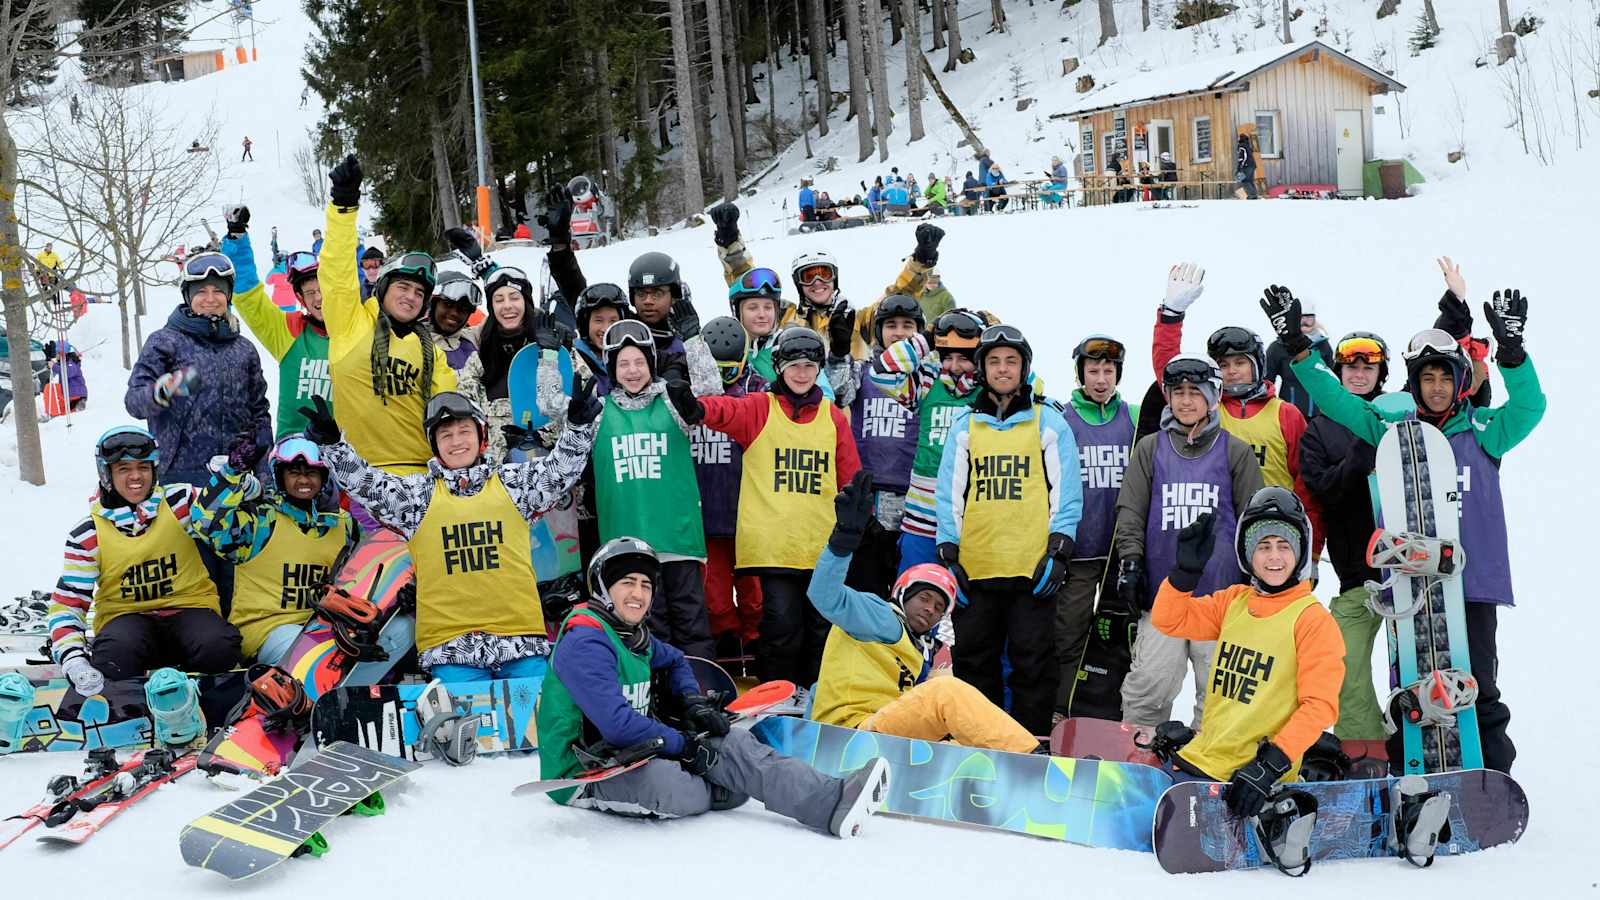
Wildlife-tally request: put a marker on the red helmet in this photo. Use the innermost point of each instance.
(924, 575)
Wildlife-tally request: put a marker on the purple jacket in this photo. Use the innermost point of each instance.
(231, 394)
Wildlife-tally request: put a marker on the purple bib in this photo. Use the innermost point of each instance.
(1180, 490)
(886, 437)
(1487, 578)
(1102, 456)
(718, 462)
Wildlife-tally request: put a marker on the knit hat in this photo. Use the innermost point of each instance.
(1260, 531)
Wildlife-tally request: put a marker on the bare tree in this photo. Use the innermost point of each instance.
(443, 182)
(1505, 46)
(1108, 22)
(938, 24)
(1428, 15)
(1144, 15)
(819, 62)
(997, 17)
(694, 194)
(721, 107)
(913, 38)
(1287, 37)
(877, 71)
(860, 102)
(952, 22)
(800, 79)
(730, 44)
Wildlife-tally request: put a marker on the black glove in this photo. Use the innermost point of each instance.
(1250, 786)
(698, 756)
(841, 325)
(682, 398)
(1454, 316)
(465, 247)
(1051, 572)
(244, 453)
(558, 214)
(852, 511)
(518, 438)
(1283, 309)
(584, 407)
(928, 238)
(237, 218)
(682, 318)
(321, 427)
(346, 183)
(1195, 543)
(1508, 315)
(49, 349)
(726, 217)
(553, 334)
(1131, 586)
(704, 715)
(950, 558)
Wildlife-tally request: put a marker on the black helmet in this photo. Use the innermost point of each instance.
(653, 269)
(997, 336)
(628, 333)
(795, 344)
(1279, 505)
(1099, 346)
(616, 558)
(1436, 346)
(892, 306)
(729, 346)
(450, 406)
(957, 330)
(599, 296)
(1233, 340)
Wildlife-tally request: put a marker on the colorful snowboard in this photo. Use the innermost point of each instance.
(249, 747)
(1083, 738)
(269, 824)
(555, 535)
(1089, 802)
(384, 717)
(378, 569)
(1194, 832)
(522, 382)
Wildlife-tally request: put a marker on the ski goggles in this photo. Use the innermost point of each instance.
(805, 346)
(1432, 341)
(460, 293)
(296, 450)
(814, 273)
(207, 265)
(131, 444)
(1105, 348)
(960, 325)
(1003, 336)
(300, 263)
(760, 282)
(625, 333)
(1230, 341)
(414, 263)
(1364, 348)
(604, 294)
(1189, 371)
(448, 407)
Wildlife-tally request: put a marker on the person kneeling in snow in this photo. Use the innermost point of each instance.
(600, 689)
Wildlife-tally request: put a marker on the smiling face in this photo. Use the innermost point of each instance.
(448, 318)
(1237, 370)
(1188, 404)
(633, 370)
(509, 307)
(818, 292)
(458, 443)
(1099, 379)
(1437, 386)
(1273, 562)
(133, 480)
(800, 376)
(310, 295)
(1002, 370)
(652, 303)
(898, 328)
(924, 609)
(302, 482)
(599, 320)
(1359, 377)
(208, 300)
(955, 364)
(758, 315)
(403, 300)
(631, 596)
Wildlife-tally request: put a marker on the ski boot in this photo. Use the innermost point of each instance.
(1283, 831)
(174, 702)
(1420, 820)
(16, 702)
(446, 733)
(1435, 700)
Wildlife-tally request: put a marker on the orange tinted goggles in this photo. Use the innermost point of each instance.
(1360, 349)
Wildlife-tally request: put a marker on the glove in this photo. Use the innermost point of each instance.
(1185, 284)
(553, 334)
(950, 557)
(558, 214)
(584, 407)
(704, 715)
(346, 183)
(518, 438)
(1283, 309)
(1454, 316)
(1051, 573)
(176, 384)
(1508, 315)
(928, 238)
(237, 218)
(244, 453)
(852, 511)
(726, 217)
(1252, 782)
(697, 756)
(840, 328)
(1195, 543)
(682, 398)
(1131, 586)
(465, 247)
(321, 427)
(683, 319)
(85, 678)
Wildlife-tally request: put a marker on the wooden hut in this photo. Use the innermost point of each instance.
(1307, 107)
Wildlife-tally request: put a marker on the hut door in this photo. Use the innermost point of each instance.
(1161, 139)
(1347, 140)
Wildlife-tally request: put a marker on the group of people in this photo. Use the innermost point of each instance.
(836, 491)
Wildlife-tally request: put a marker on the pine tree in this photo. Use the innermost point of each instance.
(126, 53)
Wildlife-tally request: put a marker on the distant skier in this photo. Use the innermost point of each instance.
(246, 155)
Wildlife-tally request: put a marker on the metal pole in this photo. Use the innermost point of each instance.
(477, 123)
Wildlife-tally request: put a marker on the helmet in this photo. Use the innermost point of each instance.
(1235, 341)
(301, 266)
(808, 267)
(1192, 368)
(293, 449)
(1275, 504)
(729, 346)
(921, 576)
(758, 282)
(124, 442)
(628, 333)
(451, 406)
(796, 344)
(1435, 345)
(653, 269)
(413, 264)
(204, 265)
(599, 296)
(1366, 347)
(997, 336)
(1099, 346)
(958, 329)
(616, 558)
(892, 306)
(508, 276)
(459, 289)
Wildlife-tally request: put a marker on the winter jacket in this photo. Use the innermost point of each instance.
(971, 189)
(586, 662)
(237, 518)
(1244, 160)
(1133, 502)
(298, 342)
(229, 399)
(936, 193)
(1278, 367)
(1336, 467)
(743, 418)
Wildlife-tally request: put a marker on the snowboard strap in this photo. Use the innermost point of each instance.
(1437, 699)
(1166, 740)
(1405, 554)
(1421, 820)
(1283, 831)
(355, 624)
(279, 696)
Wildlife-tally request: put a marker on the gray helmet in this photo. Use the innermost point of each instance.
(616, 558)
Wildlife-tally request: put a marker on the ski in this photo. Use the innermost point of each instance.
(99, 767)
(77, 820)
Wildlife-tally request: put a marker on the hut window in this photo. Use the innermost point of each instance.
(1086, 160)
(1202, 139)
(1267, 141)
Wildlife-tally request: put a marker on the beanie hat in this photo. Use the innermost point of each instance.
(1259, 531)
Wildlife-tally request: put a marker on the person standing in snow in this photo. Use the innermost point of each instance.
(246, 155)
(1244, 168)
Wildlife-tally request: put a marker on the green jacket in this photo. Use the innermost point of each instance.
(1100, 413)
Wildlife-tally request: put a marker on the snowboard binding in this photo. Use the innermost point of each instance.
(1409, 555)
(1421, 820)
(1283, 831)
(355, 624)
(1435, 700)
(446, 733)
(16, 702)
(279, 697)
(174, 702)
(1166, 740)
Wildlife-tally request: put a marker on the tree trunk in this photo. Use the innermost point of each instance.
(721, 111)
(938, 24)
(735, 93)
(608, 122)
(896, 20)
(449, 211)
(772, 81)
(1144, 15)
(1288, 38)
(138, 314)
(913, 70)
(1428, 15)
(819, 62)
(698, 50)
(855, 48)
(30, 455)
(952, 23)
(800, 79)
(642, 111)
(882, 118)
(997, 17)
(1108, 22)
(950, 108)
(751, 98)
(694, 195)
(1505, 46)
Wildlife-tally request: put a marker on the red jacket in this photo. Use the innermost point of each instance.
(743, 418)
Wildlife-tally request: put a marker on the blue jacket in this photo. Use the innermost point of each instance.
(808, 197)
(865, 617)
(897, 195)
(586, 663)
(1058, 448)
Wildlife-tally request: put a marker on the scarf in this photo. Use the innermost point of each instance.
(381, 334)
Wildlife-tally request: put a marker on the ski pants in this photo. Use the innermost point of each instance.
(678, 615)
(1003, 617)
(522, 667)
(733, 602)
(1159, 664)
(793, 633)
(189, 640)
(277, 643)
(1074, 616)
(662, 788)
(1360, 716)
(1493, 715)
(947, 706)
(876, 562)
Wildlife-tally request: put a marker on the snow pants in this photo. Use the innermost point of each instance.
(793, 633)
(1003, 617)
(522, 667)
(947, 706)
(1074, 615)
(1360, 716)
(678, 615)
(277, 643)
(662, 788)
(1159, 664)
(189, 640)
(733, 602)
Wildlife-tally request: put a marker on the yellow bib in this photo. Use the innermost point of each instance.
(1253, 688)
(1006, 524)
(474, 567)
(386, 432)
(1264, 433)
(786, 491)
(858, 678)
(159, 569)
(279, 584)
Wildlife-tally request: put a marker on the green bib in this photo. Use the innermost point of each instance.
(561, 723)
(644, 480)
(935, 415)
(761, 362)
(302, 374)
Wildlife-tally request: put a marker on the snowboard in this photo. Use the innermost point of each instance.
(554, 536)
(1095, 803)
(249, 747)
(712, 677)
(1084, 738)
(377, 569)
(383, 718)
(268, 825)
(1417, 492)
(522, 382)
(1194, 832)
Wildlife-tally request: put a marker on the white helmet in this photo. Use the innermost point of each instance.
(810, 260)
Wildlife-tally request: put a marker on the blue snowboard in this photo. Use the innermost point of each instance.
(1080, 801)
(384, 717)
(522, 384)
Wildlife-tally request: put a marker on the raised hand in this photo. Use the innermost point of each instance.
(1508, 315)
(1185, 284)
